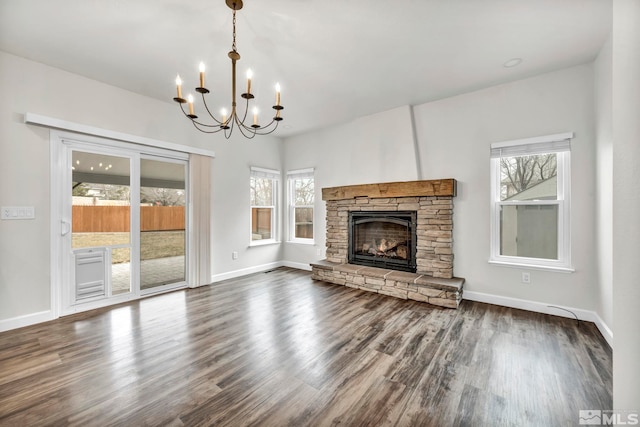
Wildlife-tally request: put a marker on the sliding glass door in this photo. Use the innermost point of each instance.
(123, 222)
(162, 223)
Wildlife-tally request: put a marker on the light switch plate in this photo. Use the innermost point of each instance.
(17, 212)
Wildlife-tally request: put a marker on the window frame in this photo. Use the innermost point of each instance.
(560, 145)
(274, 175)
(292, 176)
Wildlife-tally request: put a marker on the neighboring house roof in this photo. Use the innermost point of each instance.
(544, 190)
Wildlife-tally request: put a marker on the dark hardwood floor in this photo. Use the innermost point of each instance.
(277, 348)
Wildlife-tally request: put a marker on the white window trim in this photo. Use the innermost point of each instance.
(273, 174)
(535, 145)
(291, 177)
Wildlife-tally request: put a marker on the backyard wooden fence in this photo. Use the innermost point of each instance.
(112, 219)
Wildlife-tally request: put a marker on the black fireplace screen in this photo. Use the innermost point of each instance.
(383, 239)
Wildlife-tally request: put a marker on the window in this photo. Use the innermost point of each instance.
(301, 199)
(264, 191)
(530, 202)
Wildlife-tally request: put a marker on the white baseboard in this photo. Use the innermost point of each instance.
(297, 265)
(606, 332)
(26, 320)
(540, 307)
(257, 269)
(244, 271)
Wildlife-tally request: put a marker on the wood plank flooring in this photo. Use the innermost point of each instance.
(276, 349)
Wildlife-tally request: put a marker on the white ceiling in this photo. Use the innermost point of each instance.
(335, 60)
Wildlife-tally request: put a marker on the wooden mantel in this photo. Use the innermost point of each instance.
(433, 187)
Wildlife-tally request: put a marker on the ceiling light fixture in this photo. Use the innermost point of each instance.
(227, 122)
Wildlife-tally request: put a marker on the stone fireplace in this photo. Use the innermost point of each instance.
(383, 239)
(402, 244)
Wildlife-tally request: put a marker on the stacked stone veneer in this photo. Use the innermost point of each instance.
(433, 281)
(434, 232)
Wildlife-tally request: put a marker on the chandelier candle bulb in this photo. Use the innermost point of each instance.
(190, 99)
(249, 76)
(224, 116)
(255, 116)
(278, 94)
(202, 74)
(179, 85)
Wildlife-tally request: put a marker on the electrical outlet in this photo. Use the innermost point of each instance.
(234, 255)
(320, 252)
(526, 277)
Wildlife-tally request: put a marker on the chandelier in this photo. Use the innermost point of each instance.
(227, 122)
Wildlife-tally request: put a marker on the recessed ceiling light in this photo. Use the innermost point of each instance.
(513, 62)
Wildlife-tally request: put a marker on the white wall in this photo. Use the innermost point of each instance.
(24, 170)
(375, 148)
(604, 182)
(626, 204)
(232, 216)
(453, 137)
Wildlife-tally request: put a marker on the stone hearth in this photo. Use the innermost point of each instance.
(433, 281)
(399, 284)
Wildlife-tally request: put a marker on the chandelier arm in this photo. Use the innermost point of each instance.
(183, 111)
(206, 125)
(206, 107)
(271, 131)
(247, 127)
(269, 125)
(263, 130)
(229, 128)
(194, 121)
(250, 131)
(256, 131)
(195, 124)
(249, 136)
(246, 109)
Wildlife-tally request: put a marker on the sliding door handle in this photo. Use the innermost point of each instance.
(65, 227)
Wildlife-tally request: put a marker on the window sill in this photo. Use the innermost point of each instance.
(310, 242)
(533, 266)
(264, 242)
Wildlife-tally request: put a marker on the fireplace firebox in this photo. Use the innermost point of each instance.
(385, 239)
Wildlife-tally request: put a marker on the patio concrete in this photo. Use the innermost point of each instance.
(153, 272)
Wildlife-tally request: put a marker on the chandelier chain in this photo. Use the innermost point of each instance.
(233, 46)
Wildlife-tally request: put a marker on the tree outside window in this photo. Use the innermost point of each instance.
(520, 173)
